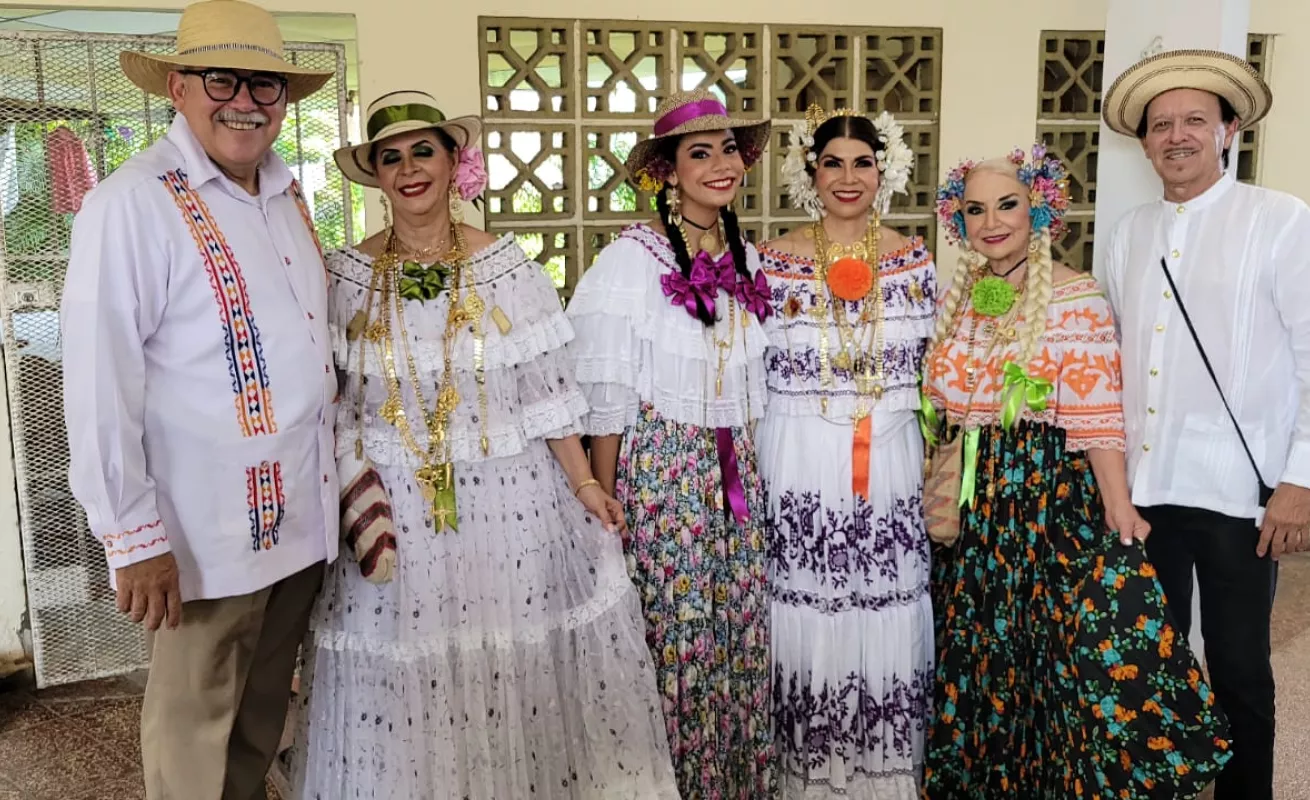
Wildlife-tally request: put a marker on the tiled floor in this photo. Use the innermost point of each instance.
(80, 742)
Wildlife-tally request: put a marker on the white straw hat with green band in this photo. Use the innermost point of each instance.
(396, 113)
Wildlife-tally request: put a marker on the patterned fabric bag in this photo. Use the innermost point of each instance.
(941, 488)
(366, 519)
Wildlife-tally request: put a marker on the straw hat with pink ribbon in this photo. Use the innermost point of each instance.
(692, 112)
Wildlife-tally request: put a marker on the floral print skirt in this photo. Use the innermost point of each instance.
(1059, 673)
(702, 581)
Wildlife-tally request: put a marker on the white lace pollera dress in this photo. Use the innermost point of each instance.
(506, 660)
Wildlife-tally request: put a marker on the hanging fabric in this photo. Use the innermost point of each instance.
(9, 170)
(71, 173)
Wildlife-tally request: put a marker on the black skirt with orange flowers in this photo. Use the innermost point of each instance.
(1059, 673)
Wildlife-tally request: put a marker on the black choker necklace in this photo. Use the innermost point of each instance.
(1011, 270)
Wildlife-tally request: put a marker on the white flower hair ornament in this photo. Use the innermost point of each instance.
(895, 161)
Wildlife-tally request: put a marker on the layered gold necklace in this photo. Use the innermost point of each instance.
(845, 274)
(435, 473)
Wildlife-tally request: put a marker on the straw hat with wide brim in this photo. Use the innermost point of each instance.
(223, 34)
(1212, 71)
(696, 112)
(396, 113)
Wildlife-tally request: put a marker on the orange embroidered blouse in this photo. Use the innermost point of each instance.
(1079, 355)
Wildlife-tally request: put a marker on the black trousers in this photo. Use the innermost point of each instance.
(1237, 599)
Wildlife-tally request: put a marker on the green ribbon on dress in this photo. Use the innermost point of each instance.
(1019, 389)
(422, 283)
(969, 469)
(929, 423)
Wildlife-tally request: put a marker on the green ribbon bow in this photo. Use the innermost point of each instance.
(422, 283)
(1019, 389)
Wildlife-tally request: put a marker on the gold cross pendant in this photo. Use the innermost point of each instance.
(436, 483)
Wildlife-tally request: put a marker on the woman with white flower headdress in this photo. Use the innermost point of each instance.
(842, 458)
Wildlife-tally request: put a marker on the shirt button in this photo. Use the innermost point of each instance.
(1181, 209)
(1146, 448)
(286, 259)
(1168, 295)
(1154, 372)
(1176, 254)
(1159, 329)
(325, 479)
(1150, 410)
(311, 316)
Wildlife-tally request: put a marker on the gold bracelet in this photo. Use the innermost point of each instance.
(585, 484)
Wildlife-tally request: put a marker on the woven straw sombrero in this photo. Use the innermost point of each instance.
(396, 113)
(696, 112)
(1212, 71)
(223, 34)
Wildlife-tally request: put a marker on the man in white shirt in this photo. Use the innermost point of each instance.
(1239, 260)
(200, 394)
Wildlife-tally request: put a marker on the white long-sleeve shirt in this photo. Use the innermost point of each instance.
(199, 390)
(1240, 256)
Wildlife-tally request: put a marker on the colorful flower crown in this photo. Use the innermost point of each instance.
(895, 160)
(1048, 194)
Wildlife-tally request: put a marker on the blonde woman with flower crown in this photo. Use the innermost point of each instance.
(842, 458)
(485, 642)
(1058, 672)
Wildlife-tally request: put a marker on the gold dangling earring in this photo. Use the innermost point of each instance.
(675, 207)
(386, 211)
(456, 206)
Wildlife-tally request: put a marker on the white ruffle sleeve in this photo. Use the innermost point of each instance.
(635, 347)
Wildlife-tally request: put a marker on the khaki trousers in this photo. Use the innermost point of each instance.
(217, 694)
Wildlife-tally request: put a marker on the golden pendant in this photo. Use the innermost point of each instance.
(473, 306)
(502, 321)
(877, 390)
(916, 293)
(437, 485)
(708, 242)
(842, 361)
(357, 325)
(393, 410)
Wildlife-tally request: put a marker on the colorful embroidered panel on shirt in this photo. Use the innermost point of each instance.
(125, 542)
(909, 291)
(267, 504)
(245, 355)
(1079, 354)
(298, 194)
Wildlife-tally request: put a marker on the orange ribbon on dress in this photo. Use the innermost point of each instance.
(860, 457)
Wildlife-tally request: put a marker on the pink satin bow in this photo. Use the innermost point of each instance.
(753, 294)
(700, 288)
(693, 292)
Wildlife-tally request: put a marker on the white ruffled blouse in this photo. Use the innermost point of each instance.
(529, 379)
(635, 347)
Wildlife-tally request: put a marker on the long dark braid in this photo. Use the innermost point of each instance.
(680, 253)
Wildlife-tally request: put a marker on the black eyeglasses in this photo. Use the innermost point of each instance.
(223, 84)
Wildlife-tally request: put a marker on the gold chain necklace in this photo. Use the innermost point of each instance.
(860, 350)
(435, 474)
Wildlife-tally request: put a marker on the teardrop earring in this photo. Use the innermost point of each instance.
(675, 207)
(456, 205)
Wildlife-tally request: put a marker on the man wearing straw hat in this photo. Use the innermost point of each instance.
(1211, 286)
(199, 393)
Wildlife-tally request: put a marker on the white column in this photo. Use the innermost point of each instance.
(1124, 178)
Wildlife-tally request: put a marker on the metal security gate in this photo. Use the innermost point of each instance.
(68, 117)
